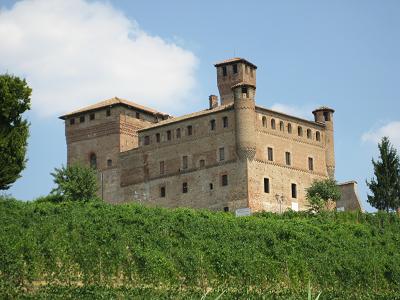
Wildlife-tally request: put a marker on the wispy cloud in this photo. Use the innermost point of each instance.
(391, 130)
(298, 111)
(75, 52)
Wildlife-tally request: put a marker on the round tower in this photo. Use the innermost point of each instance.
(245, 117)
(325, 115)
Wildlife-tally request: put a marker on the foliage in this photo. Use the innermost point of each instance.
(14, 130)
(320, 192)
(385, 187)
(99, 251)
(75, 183)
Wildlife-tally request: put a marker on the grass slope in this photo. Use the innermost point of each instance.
(91, 251)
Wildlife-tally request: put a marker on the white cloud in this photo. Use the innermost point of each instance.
(297, 111)
(74, 53)
(391, 130)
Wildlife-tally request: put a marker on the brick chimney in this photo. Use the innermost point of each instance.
(213, 101)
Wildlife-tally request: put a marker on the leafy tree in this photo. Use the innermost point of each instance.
(14, 130)
(75, 183)
(385, 187)
(320, 193)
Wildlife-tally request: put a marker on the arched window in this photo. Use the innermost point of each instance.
(300, 131)
(289, 128)
(318, 136)
(309, 134)
(273, 125)
(93, 161)
(281, 126)
(264, 121)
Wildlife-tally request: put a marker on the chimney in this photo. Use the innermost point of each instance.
(213, 101)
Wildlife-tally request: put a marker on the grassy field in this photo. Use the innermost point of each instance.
(100, 251)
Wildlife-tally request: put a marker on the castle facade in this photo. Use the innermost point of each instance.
(234, 154)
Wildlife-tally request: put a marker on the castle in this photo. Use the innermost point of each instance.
(234, 154)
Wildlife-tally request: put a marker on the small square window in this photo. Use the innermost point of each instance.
(235, 68)
(162, 192)
(311, 164)
(178, 133)
(92, 116)
(184, 187)
(169, 135)
(109, 163)
(288, 158)
(147, 140)
(270, 154)
(224, 180)
(212, 125)
(226, 209)
(221, 154)
(266, 185)
(72, 121)
(82, 119)
(137, 115)
(158, 137)
(225, 122)
(211, 186)
(224, 73)
(108, 112)
(294, 190)
(190, 130)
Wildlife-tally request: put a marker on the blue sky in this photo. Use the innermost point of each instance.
(343, 54)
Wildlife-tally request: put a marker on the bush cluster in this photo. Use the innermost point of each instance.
(71, 248)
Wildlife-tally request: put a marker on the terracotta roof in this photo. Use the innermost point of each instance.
(111, 102)
(189, 116)
(324, 108)
(235, 59)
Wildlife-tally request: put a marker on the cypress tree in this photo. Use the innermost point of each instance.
(385, 186)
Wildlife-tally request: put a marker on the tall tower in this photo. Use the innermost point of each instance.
(325, 115)
(245, 117)
(232, 72)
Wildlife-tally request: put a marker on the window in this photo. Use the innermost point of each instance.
(294, 190)
(137, 115)
(158, 137)
(289, 128)
(147, 140)
(327, 116)
(270, 154)
(169, 135)
(190, 130)
(109, 163)
(226, 209)
(82, 119)
(108, 112)
(162, 167)
(178, 133)
(224, 180)
(264, 121)
(235, 68)
(221, 154)
(311, 164)
(93, 161)
(266, 185)
(211, 186)
(299, 131)
(184, 187)
(281, 126)
(184, 162)
(318, 136)
(309, 134)
(225, 122)
(244, 90)
(202, 163)
(224, 73)
(212, 124)
(273, 124)
(288, 158)
(92, 116)
(72, 121)
(162, 192)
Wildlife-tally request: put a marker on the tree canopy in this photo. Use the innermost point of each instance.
(385, 185)
(75, 183)
(14, 129)
(321, 192)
